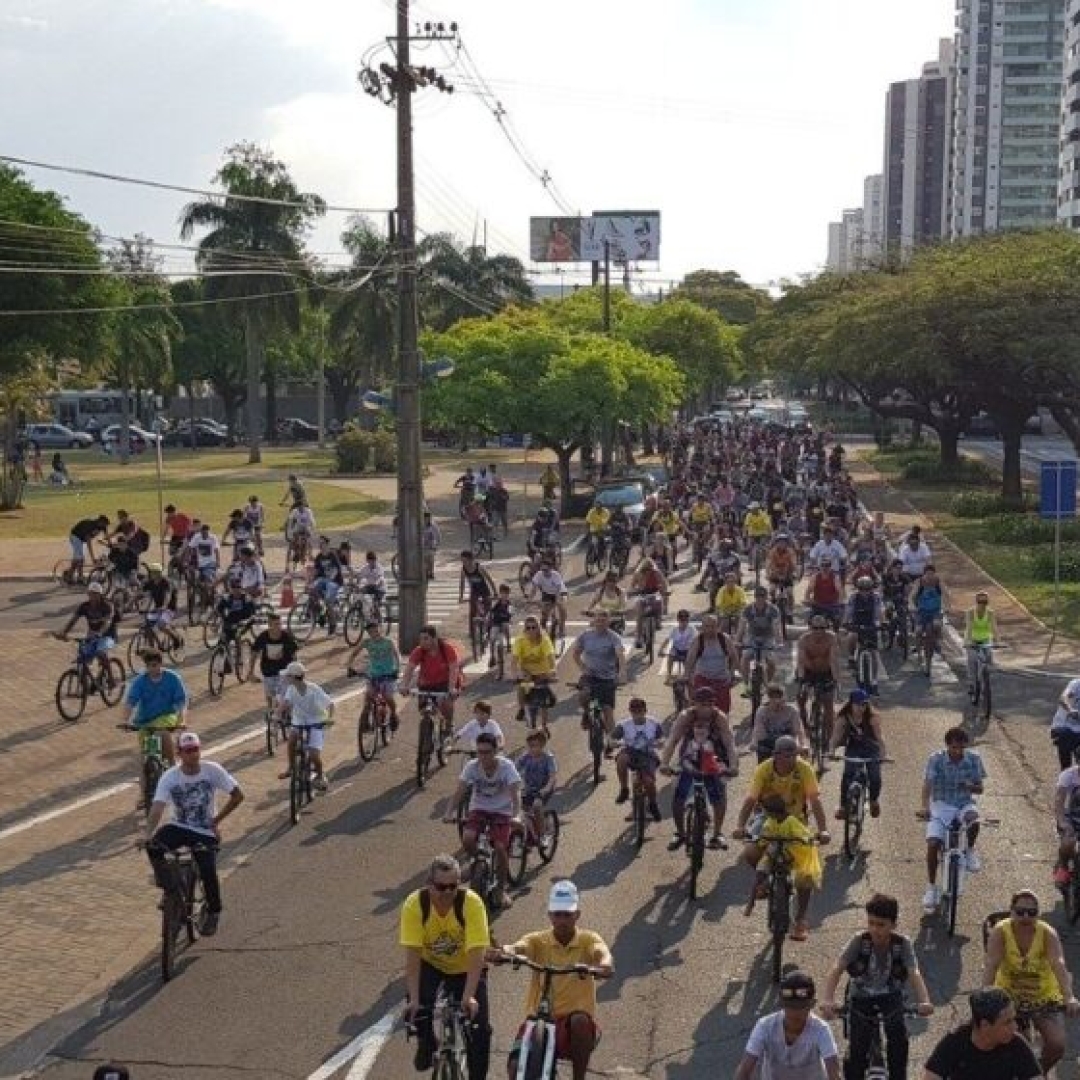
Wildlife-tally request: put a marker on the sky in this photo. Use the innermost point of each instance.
(749, 124)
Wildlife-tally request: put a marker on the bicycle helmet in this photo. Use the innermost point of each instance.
(858, 696)
(864, 582)
(154, 568)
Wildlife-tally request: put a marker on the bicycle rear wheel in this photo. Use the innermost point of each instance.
(215, 673)
(865, 671)
(518, 857)
(779, 921)
(952, 899)
(649, 630)
(525, 575)
(138, 644)
(353, 626)
(171, 917)
(695, 831)
(536, 1051)
(70, 694)
(639, 816)
(296, 788)
(425, 747)
(853, 819)
(110, 681)
(817, 736)
(596, 746)
(273, 732)
(152, 768)
(985, 692)
(302, 621)
(367, 732)
(548, 844)
(212, 630)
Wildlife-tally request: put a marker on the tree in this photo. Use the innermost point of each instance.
(725, 294)
(253, 254)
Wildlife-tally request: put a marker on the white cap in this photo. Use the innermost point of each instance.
(188, 739)
(563, 896)
(95, 586)
(296, 670)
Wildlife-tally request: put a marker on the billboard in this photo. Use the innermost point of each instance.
(631, 236)
(555, 239)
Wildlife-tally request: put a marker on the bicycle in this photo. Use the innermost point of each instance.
(781, 897)
(483, 540)
(927, 639)
(478, 624)
(183, 906)
(592, 720)
(277, 728)
(638, 762)
(536, 1059)
(538, 698)
(150, 638)
(314, 610)
(1070, 891)
(981, 699)
(301, 778)
(855, 806)
(482, 878)
(815, 727)
(153, 764)
(651, 618)
(756, 679)
(783, 597)
(526, 838)
(233, 655)
(552, 622)
(595, 554)
(359, 612)
(62, 574)
(952, 865)
(375, 724)
(432, 739)
(680, 694)
(699, 544)
(876, 1066)
(866, 649)
(451, 1042)
(619, 558)
(897, 627)
(80, 681)
(497, 645)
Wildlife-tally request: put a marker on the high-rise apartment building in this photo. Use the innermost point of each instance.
(846, 239)
(918, 132)
(873, 219)
(1006, 114)
(1069, 173)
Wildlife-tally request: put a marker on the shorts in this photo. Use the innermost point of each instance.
(562, 1036)
(383, 684)
(645, 762)
(326, 588)
(679, 655)
(498, 826)
(162, 619)
(601, 689)
(91, 648)
(78, 548)
(720, 687)
(165, 722)
(529, 799)
(926, 619)
(715, 788)
(273, 686)
(820, 680)
(941, 814)
(749, 650)
(207, 573)
(316, 734)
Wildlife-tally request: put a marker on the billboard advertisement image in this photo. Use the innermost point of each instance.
(631, 236)
(555, 239)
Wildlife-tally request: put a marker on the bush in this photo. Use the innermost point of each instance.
(1026, 530)
(929, 470)
(384, 447)
(1042, 565)
(980, 504)
(353, 450)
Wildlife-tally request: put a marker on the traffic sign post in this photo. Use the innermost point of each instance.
(1057, 501)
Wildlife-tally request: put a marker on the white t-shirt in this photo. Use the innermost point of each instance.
(1069, 782)
(643, 736)
(469, 731)
(192, 796)
(682, 639)
(371, 574)
(915, 560)
(550, 583)
(802, 1060)
(206, 549)
(1061, 717)
(491, 794)
(310, 707)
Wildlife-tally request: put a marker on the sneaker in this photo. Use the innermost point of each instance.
(423, 1057)
(931, 898)
(875, 808)
(519, 716)
(972, 862)
(320, 784)
(210, 924)
(284, 775)
(676, 842)
(654, 810)
(623, 796)
(841, 814)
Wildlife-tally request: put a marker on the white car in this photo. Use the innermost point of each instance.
(139, 438)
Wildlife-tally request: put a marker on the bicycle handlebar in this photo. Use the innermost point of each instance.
(582, 971)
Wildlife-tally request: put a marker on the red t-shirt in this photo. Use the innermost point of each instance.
(824, 590)
(179, 525)
(433, 668)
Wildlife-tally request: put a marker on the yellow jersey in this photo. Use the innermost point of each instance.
(731, 600)
(758, 524)
(534, 658)
(443, 942)
(700, 515)
(669, 522)
(597, 519)
(570, 994)
(805, 858)
(1028, 979)
(796, 788)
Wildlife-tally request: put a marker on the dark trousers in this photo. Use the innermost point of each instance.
(1066, 742)
(873, 781)
(169, 838)
(479, 1032)
(861, 1024)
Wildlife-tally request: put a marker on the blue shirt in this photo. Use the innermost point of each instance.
(154, 699)
(536, 772)
(946, 776)
(928, 599)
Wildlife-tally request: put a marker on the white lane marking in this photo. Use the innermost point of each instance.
(364, 1048)
(105, 793)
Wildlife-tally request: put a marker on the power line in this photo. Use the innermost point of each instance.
(161, 186)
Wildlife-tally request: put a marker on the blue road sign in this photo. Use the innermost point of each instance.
(1057, 490)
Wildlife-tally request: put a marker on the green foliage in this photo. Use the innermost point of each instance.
(1028, 530)
(980, 504)
(926, 468)
(1042, 564)
(725, 295)
(384, 451)
(352, 451)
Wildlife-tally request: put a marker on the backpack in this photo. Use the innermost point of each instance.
(140, 541)
(898, 970)
(459, 906)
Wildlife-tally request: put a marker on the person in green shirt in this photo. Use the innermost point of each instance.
(980, 628)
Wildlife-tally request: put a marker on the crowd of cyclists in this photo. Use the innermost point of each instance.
(764, 519)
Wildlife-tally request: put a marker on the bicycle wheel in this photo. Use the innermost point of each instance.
(649, 630)
(476, 637)
(865, 670)
(817, 735)
(1072, 896)
(757, 677)
(928, 651)
(952, 898)
(61, 572)
(70, 694)
(518, 856)
(448, 1067)
(596, 746)
(592, 562)
(353, 624)
(139, 643)
(240, 659)
(548, 844)
(639, 816)
(779, 921)
(536, 1051)
(170, 930)
(985, 692)
(296, 786)
(367, 732)
(211, 632)
(177, 649)
(302, 621)
(854, 808)
(902, 636)
(273, 732)
(110, 681)
(152, 769)
(500, 659)
(444, 740)
(425, 747)
(196, 905)
(215, 672)
(480, 879)
(695, 831)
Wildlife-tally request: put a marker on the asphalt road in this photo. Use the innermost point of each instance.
(304, 976)
(1035, 449)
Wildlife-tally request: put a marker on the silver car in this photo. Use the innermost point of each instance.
(57, 437)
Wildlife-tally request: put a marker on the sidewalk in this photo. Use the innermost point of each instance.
(1027, 638)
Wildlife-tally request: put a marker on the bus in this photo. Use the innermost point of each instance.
(98, 409)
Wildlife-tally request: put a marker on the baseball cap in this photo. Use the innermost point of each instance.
(798, 988)
(858, 696)
(111, 1072)
(296, 670)
(563, 897)
(188, 740)
(785, 745)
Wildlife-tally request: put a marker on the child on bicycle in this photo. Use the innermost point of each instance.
(678, 644)
(700, 754)
(480, 724)
(383, 666)
(538, 770)
(500, 618)
(780, 824)
(641, 736)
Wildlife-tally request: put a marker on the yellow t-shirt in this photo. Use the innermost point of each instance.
(805, 858)
(795, 788)
(597, 520)
(731, 600)
(758, 524)
(534, 658)
(1029, 979)
(669, 522)
(443, 942)
(700, 515)
(570, 994)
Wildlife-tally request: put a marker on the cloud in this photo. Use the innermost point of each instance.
(25, 22)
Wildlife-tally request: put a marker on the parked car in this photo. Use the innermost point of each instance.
(207, 433)
(293, 429)
(627, 494)
(56, 437)
(735, 394)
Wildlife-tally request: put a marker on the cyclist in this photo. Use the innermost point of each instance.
(1024, 957)
(435, 668)
(549, 481)
(237, 611)
(731, 601)
(794, 780)
(859, 731)
(295, 494)
(371, 578)
(123, 561)
(651, 587)
(475, 516)
(776, 717)
(249, 572)
(480, 583)
(780, 563)
(817, 667)
(953, 777)
(678, 643)
(189, 788)
(157, 700)
(500, 619)
(611, 597)
(596, 523)
(894, 589)
(880, 965)
(299, 529)
(494, 789)
(701, 518)
(544, 532)
(573, 999)
(1065, 724)
(383, 666)
(307, 705)
(466, 484)
(930, 603)
(239, 528)
(480, 724)
(206, 550)
(538, 770)
(176, 530)
(792, 1044)
(712, 661)
(914, 554)
(759, 631)
(162, 594)
(255, 515)
(444, 930)
(702, 739)
(671, 524)
(275, 648)
(431, 541)
(862, 619)
(722, 561)
(987, 1048)
(641, 736)
(825, 593)
(532, 663)
(980, 629)
(81, 539)
(599, 654)
(829, 550)
(549, 583)
(101, 619)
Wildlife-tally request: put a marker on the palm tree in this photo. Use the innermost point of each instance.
(463, 282)
(257, 248)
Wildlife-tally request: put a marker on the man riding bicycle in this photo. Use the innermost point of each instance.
(435, 668)
(596, 523)
(759, 633)
(600, 656)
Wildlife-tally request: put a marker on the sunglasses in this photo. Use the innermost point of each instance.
(797, 993)
(1029, 912)
(444, 886)
(532, 626)
(189, 749)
